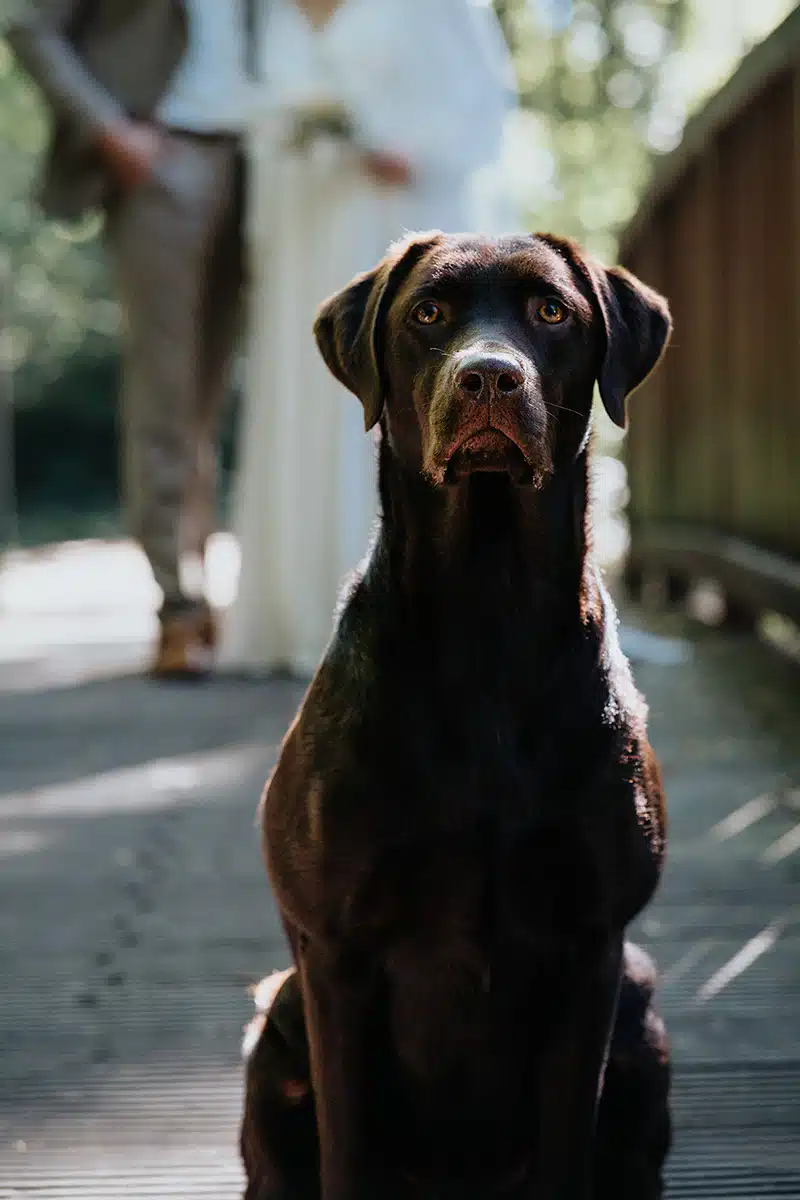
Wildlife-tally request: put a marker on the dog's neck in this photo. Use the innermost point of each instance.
(489, 543)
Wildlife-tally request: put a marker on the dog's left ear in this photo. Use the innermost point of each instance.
(350, 326)
(637, 329)
(636, 325)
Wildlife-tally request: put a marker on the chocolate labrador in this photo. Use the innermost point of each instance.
(466, 813)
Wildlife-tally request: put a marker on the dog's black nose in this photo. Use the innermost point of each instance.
(480, 376)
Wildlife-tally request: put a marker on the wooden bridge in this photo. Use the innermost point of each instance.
(714, 449)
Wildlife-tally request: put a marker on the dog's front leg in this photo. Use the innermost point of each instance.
(569, 1078)
(336, 1001)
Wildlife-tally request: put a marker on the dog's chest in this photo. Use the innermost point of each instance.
(485, 876)
(480, 939)
(472, 820)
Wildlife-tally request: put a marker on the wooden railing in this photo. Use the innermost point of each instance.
(713, 452)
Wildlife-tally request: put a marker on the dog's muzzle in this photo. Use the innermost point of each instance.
(485, 423)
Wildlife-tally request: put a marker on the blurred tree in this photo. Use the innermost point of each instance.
(590, 74)
(54, 294)
(58, 327)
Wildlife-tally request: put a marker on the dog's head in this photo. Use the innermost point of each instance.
(481, 354)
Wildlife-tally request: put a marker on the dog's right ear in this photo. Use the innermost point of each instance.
(350, 326)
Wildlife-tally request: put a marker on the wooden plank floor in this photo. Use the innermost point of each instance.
(134, 913)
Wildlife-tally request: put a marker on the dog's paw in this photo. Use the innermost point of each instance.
(274, 1045)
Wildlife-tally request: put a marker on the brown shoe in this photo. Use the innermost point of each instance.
(208, 630)
(185, 650)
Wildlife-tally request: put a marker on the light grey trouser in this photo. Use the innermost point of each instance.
(176, 247)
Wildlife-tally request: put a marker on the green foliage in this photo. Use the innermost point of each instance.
(54, 296)
(590, 77)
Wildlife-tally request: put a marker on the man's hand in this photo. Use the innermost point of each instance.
(131, 150)
(390, 169)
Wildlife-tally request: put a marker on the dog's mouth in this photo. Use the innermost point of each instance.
(488, 450)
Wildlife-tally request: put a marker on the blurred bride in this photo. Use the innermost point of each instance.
(373, 119)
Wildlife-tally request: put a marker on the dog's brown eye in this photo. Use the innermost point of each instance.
(427, 313)
(552, 312)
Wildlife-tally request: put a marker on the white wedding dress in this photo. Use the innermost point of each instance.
(429, 79)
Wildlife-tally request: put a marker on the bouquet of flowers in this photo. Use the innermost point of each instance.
(315, 121)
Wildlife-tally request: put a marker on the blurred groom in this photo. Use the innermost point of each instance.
(149, 102)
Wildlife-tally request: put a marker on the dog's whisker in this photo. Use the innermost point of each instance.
(557, 408)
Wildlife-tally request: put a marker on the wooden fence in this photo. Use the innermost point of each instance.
(713, 452)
